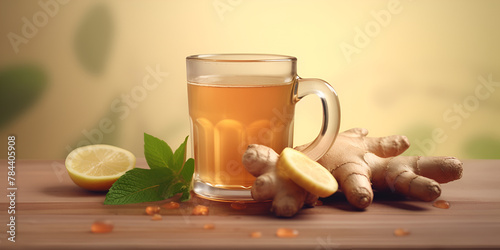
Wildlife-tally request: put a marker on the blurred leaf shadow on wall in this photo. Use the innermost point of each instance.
(482, 147)
(93, 39)
(20, 88)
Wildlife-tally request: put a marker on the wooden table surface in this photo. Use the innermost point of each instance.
(53, 213)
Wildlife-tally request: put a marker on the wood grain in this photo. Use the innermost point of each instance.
(53, 213)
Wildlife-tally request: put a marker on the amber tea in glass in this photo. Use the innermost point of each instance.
(241, 99)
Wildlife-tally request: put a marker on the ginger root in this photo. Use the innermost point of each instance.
(358, 163)
(288, 198)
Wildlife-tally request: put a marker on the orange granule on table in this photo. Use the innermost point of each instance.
(401, 232)
(441, 204)
(200, 210)
(287, 232)
(171, 205)
(156, 217)
(238, 205)
(102, 227)
(256, 234)
(151, 210)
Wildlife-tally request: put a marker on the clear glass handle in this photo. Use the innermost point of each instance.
(331, 114)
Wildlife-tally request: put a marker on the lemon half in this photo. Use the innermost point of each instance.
(97, 167)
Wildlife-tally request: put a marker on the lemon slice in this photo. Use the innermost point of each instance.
(306, 173)
(97, 167)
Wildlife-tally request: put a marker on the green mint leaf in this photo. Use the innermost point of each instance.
(179, 187)
(157, 152)
(179, 156)
(181, 184)
(172, 189)
(139, 185)
(188, 170)
(186, 195)
(168, 175)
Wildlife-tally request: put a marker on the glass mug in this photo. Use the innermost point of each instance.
(241, 99)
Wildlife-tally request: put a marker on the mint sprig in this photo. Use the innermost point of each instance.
(169, 174)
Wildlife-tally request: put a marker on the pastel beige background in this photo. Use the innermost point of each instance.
(79, 72)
